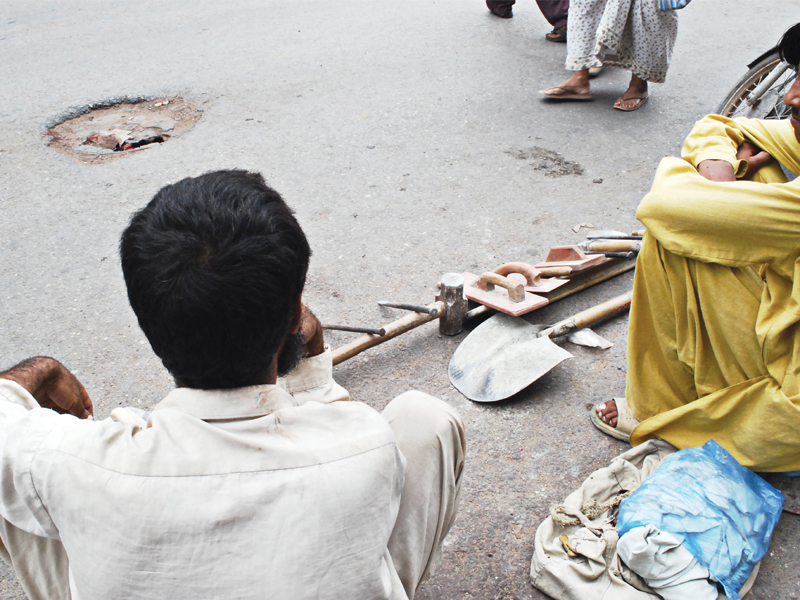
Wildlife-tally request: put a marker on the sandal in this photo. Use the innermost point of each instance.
(557, 35)
(561, 93)
(637, 103)
(626, 422)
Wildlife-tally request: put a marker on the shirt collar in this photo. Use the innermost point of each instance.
(237, 403)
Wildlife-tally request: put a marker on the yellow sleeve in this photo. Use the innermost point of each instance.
(715, 138)
(738, 223)
(718, 138)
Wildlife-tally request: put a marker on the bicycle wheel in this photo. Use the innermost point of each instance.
(770, 105)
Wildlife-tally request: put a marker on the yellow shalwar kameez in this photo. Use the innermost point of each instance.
(714, 342)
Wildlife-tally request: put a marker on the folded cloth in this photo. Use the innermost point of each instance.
(670, 569)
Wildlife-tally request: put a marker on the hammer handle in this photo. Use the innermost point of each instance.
(392, 329)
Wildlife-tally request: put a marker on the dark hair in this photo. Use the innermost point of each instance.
(214, 267)
(789, 46)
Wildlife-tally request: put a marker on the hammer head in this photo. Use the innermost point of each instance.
(451, 292)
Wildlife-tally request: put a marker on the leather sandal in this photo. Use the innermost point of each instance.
(637, 103)
(560, 93)
(626, 422)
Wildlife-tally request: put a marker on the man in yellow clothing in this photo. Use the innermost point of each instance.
(714, 339)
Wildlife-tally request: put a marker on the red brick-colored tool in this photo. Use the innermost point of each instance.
(570, 256)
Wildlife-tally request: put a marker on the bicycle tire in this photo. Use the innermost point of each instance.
(770, 106)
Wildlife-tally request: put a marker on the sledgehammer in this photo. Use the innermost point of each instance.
(450, 308)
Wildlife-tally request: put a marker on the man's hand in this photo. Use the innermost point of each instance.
(52, 385)
(755, 157)
(722, 170)
(311, 330)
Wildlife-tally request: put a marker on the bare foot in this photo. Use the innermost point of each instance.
(607, 412)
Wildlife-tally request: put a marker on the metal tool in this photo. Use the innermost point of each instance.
(412, 307)
(505, 354)
(453, 309)
(604, 234)
(450, 308)
(571, 256)
(614, 254)
(369, 330)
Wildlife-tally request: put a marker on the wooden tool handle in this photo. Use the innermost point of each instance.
(516, 290)
(392, 330)
(589, 316)
(614, 246)
(531, 273)
(556, 271)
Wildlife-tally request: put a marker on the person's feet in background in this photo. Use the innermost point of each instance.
(557, 35)
(501, 8)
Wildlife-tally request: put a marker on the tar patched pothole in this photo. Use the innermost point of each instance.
(111, 130)
(549, 162)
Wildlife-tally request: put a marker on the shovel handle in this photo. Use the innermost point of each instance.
(589, 316)
(516, 290)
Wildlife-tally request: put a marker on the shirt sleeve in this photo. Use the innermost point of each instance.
(715, 138)
(738, 223)
(718, 138)
(21, 433)
(312, 380)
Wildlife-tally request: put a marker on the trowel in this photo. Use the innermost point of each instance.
(506, 354)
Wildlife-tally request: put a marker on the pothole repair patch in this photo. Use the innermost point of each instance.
(112, 130)
(549, 162)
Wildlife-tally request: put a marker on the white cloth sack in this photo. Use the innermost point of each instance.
(596, 573)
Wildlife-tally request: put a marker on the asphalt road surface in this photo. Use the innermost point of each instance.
(395, 129)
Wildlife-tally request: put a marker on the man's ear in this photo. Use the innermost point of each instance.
(294, 326)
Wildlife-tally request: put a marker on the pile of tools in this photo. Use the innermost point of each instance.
(505, 354)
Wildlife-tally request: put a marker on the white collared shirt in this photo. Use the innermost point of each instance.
(231, 494)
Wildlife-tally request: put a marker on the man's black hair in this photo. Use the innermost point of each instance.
(214, 267)
(789, 46)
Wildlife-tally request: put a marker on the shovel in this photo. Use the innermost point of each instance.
(506, 354)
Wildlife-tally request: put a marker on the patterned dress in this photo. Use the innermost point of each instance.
(634, 35)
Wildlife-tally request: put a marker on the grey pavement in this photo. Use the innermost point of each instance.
(392, 129)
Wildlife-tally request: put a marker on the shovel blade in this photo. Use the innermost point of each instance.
(501, 357)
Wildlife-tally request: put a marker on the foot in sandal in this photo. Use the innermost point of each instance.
(574, 88)
(634, 97)
(614, 418)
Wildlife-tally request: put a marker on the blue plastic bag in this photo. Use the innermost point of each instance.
(672, 4)
(723, 513)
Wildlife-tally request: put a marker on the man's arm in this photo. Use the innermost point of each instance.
(734, 224)
(722, 140)
(52, 385)
(722, 170)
